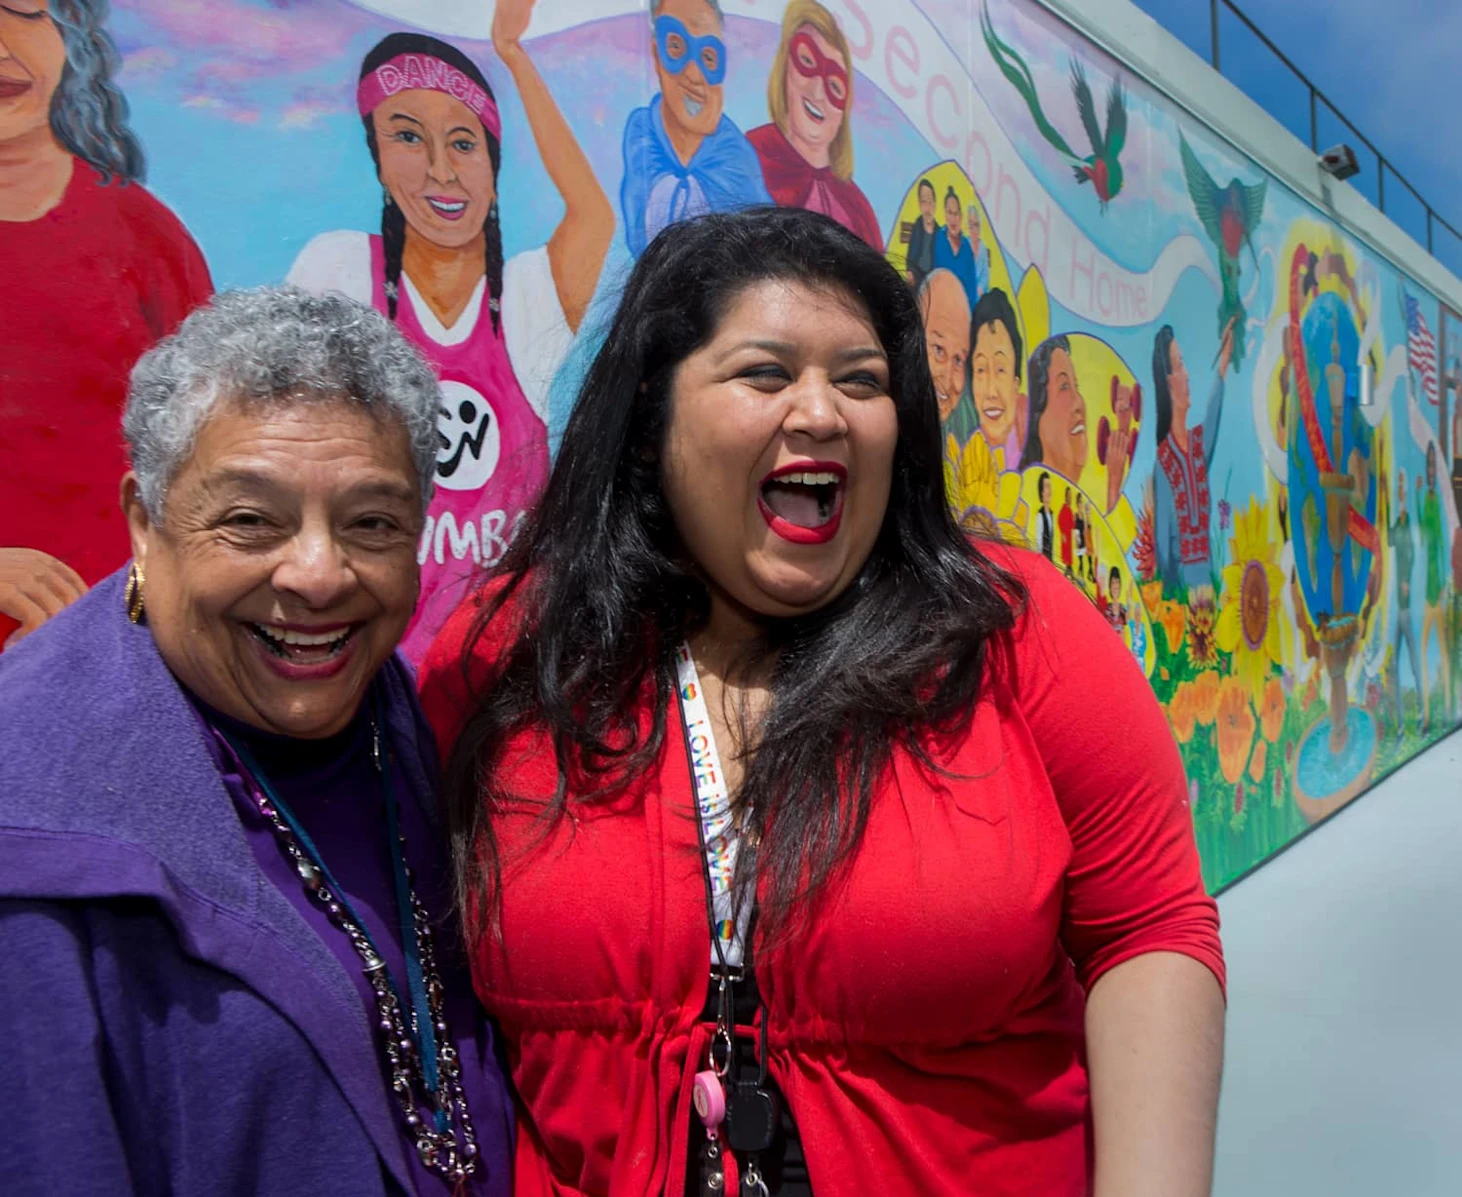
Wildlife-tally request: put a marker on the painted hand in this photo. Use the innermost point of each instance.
(34, 586)
(1226, 347)
(509, 23)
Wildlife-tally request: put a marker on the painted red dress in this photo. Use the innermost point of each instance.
(928, 1029)
(796, 183)
(92, 284)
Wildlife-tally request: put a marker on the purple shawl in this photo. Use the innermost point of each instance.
(172, 1023)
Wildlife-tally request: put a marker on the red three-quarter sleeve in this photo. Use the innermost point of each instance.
(1134, 883)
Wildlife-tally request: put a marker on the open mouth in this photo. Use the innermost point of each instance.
(13, 87)
(449, 209)
(1079, 428)
(694, 107)
(993, 413)
(803, 502)
(813, 111)
(303, 648)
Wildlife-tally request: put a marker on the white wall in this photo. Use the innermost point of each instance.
(1344, 1069)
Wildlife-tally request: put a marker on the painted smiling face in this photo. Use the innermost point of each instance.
(946, 312)
(992, 382)
(690, 63)
(817, 93)
(952, 215)
(778, 457)
(1063, 423)
(435, 165)
(283, 571)
(32, 58)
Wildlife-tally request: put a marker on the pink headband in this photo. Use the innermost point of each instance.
(411, 72)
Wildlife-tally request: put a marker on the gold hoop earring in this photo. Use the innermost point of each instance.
(135, 609)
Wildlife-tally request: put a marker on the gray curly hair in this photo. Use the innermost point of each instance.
(274, 346)
(88, 111)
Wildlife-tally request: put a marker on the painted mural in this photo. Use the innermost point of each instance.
(1232, 424)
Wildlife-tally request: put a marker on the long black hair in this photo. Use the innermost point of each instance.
(1162, 370)
(1039, 376)
(393, 220)
(603, 590)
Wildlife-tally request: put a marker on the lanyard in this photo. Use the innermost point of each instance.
(423, 1031)
(718, 836)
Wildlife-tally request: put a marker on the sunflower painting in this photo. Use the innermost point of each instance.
(1250, 613)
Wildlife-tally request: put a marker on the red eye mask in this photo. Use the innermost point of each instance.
(811, 63)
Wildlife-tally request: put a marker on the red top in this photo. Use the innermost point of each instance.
(90, 286)
(928, 1030)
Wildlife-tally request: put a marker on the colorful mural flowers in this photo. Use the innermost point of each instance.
(1250, 622)
(1271, 710)
(984, 494)
(1236, 726)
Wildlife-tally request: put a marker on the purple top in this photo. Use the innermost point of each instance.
(332, 787)
(173, 1021)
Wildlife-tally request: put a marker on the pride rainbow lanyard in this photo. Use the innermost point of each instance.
(739, 1108)
(713, 805)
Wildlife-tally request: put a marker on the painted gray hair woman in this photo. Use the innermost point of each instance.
(220, 897)
(98, 270)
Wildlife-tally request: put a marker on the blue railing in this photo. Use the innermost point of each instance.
(1435, 222)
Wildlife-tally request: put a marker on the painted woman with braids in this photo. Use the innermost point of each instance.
(496, 330)
(95, 270)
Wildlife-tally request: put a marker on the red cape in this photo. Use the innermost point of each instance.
(795, 183)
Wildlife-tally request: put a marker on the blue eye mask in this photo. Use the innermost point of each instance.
(708, 53)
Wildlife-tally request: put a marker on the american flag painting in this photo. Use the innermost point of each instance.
(1421, 350)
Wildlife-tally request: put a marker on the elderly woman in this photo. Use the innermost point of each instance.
(220, 898)
(806, 844)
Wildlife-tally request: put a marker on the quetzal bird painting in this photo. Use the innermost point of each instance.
(1229, 215)
(1103, 167)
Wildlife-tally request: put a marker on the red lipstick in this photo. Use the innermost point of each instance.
(803, 534)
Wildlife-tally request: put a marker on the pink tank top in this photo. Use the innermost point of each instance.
(492, 460)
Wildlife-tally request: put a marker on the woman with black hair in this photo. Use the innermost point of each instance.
(803, 842)
(497, 331)
(1180, 482)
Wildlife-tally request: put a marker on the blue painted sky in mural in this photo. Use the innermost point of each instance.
(1392, 69)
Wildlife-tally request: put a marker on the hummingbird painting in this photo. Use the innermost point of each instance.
(1102, 168)
(1229, 215)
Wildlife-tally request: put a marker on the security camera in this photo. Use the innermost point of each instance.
(1339, 162)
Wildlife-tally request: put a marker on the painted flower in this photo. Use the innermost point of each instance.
(1152, 597)
(1174, 619)
(1201, 617)
(985, 495)
(1258, 761)
(1250, 622)
(1144, 549)
(1225, 515)
(1271, 710)
(1181, 713)
(1205, 689)
(1236, 727)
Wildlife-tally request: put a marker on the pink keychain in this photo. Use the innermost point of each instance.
(709, 1100)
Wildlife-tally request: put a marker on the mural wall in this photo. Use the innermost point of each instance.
(1237, 428)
